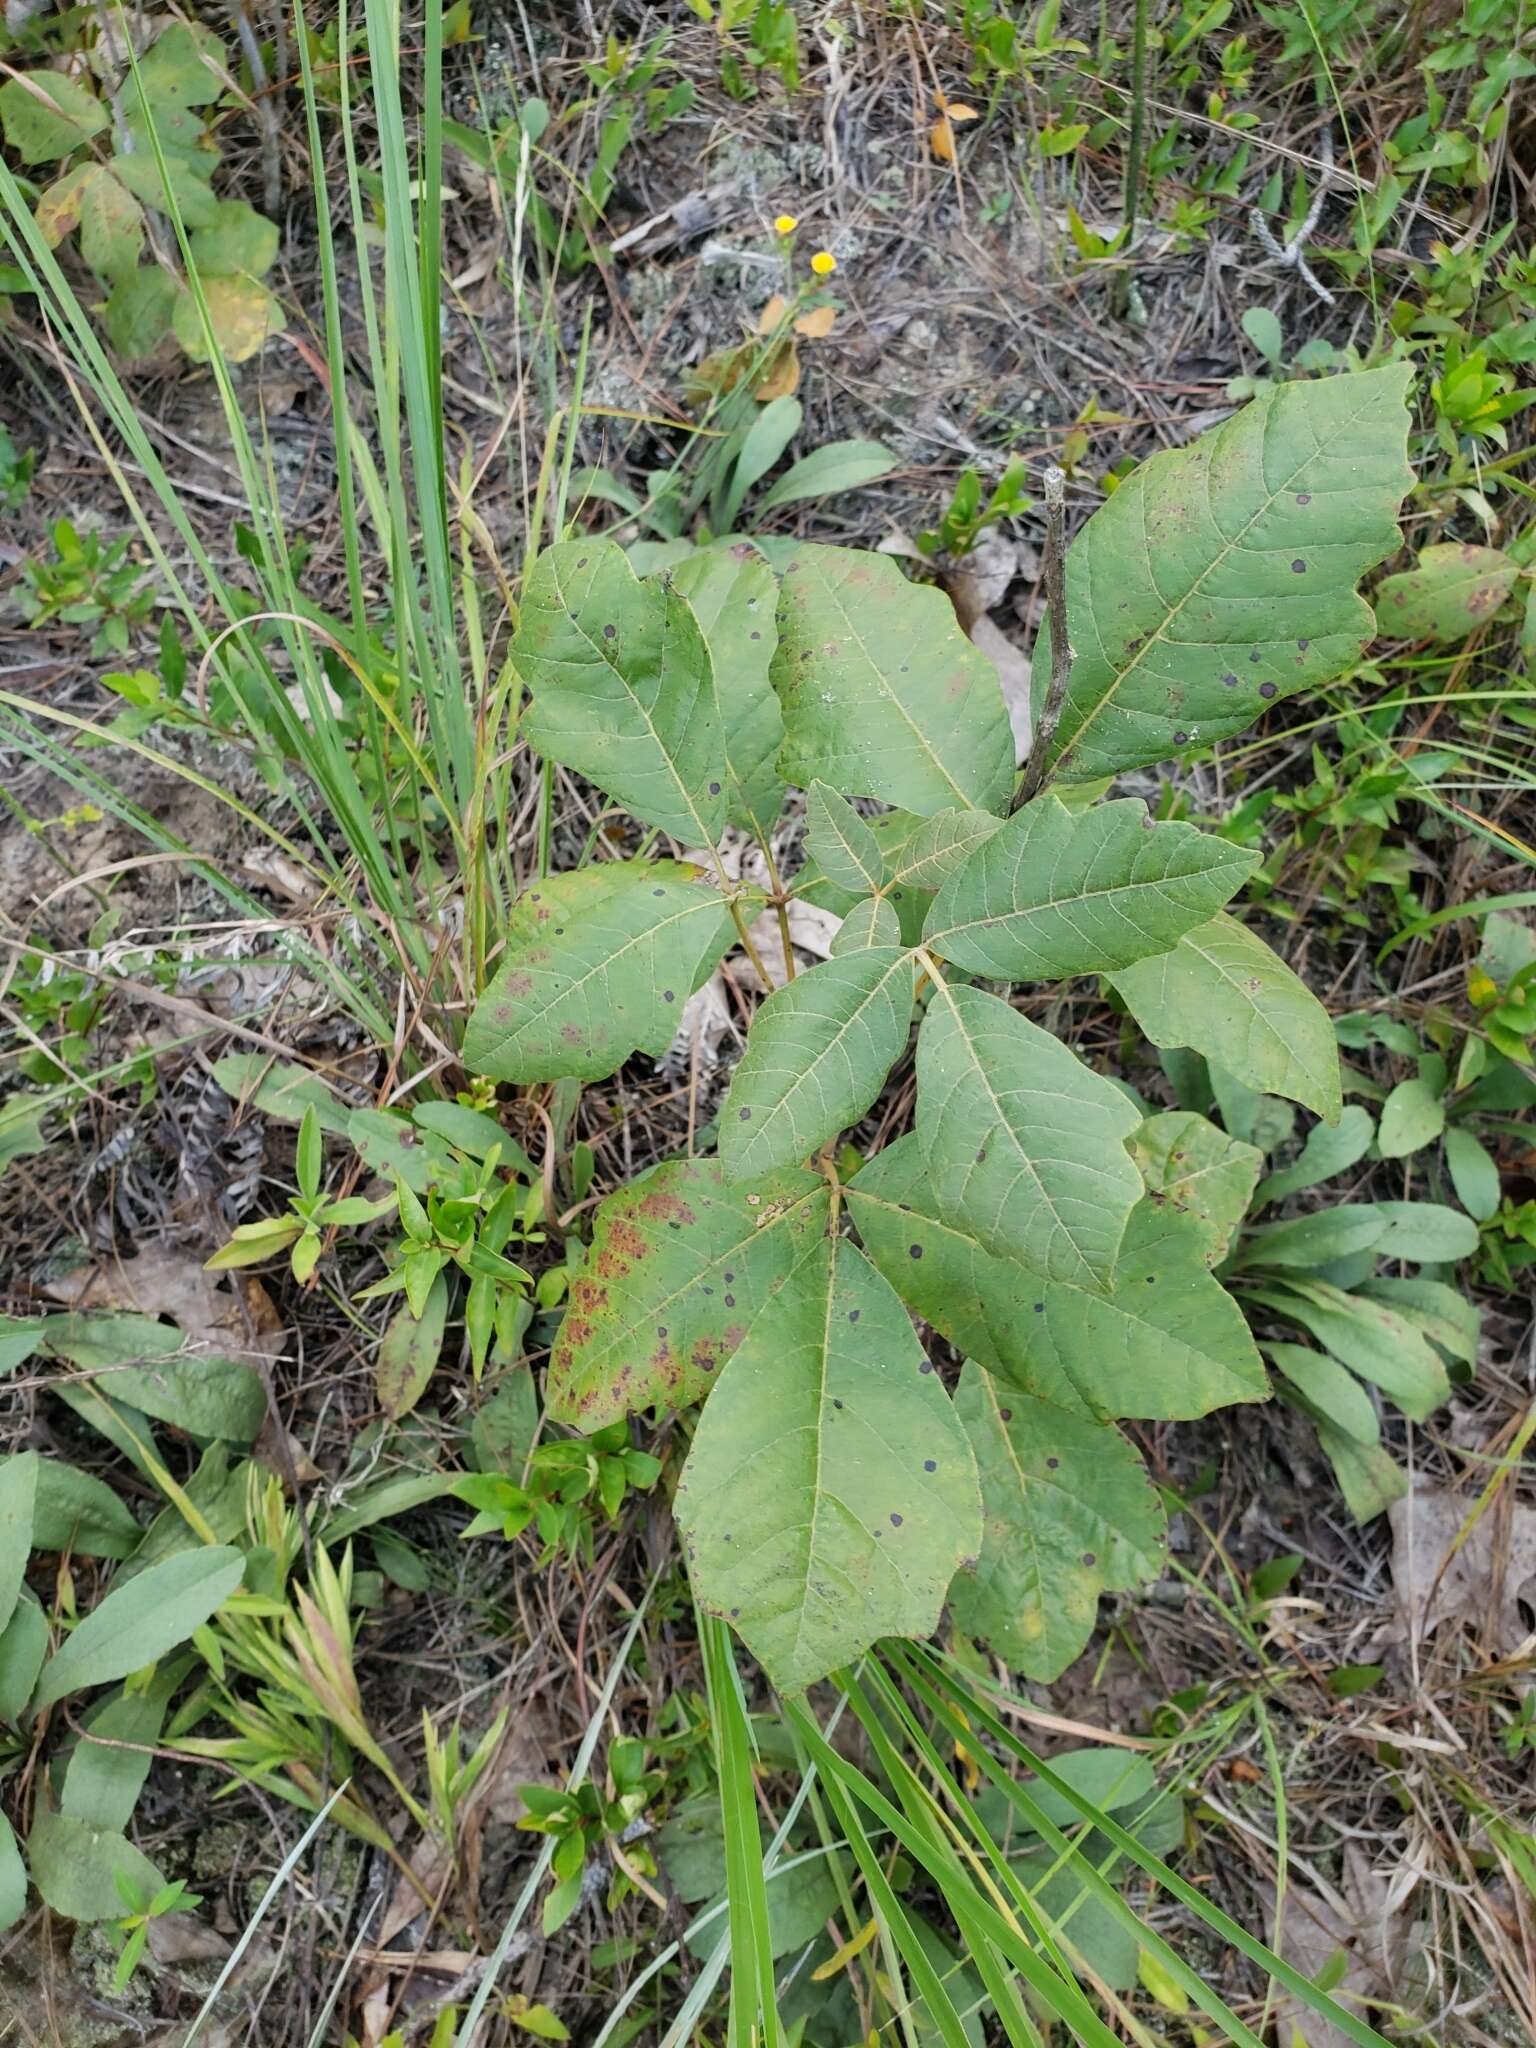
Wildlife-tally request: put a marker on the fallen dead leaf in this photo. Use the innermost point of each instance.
(1481, 1580)
(941, 136)
(183, 1938)
(238, 1318)
(1358, 1921)
(972, 590)
(818, 323)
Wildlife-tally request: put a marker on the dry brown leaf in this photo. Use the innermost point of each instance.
(970, 593)
(773, 312)
(1482, 1582)
(183, 1938)
(818, 323)
(237, 1319)
(1313, 1931)
(941, 136)
(781, 379)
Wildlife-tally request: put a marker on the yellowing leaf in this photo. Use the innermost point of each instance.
(941, 136)
(241, 312)
(57, 212)
(846, 1953)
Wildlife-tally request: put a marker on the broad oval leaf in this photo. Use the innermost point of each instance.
(1474, 1173)
(1056, 892)
(1024, 1145)
(1327, 1391)
(734, 596)
(883, 695)
(1222, 575)
(1224, 992)
(817, 1057)
(79, 1512)
(1165, 1341)
(1069, 1513)
(137, 1359)
(1197, 1168)
(830, 1491)
(623, 688)
(680, 1264)
(137, 1623)
(77, 1867)
(925, 855)
(598, 965)
(46, 115)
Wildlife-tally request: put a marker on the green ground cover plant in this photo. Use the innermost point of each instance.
(833, 1490)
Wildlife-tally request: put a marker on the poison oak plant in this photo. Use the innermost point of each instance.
(836, 1492)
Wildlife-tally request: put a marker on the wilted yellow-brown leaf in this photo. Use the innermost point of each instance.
(781, 379)
(57, 212)
(241, 311)
(941, 136)
(772, 313)
(817, 324)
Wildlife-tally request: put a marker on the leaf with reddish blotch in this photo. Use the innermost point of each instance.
(680, 1265)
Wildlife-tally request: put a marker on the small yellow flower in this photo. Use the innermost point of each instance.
(785, 224)
(823, 263)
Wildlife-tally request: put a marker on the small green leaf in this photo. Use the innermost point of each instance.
(839, 466)
(103, 1778)
(1426, 1233)
(1069, 1514)
(818, 1054)
(1328, 1392)
(1164, 1341)
(280, 1089)
(1221, 576)
(1453, 588)
(1197, 1168)
(46, 115)
(394, 1148)
(841, 842)
(1055, 893)
(1371, 1337)
(409, 1352)
(1474, 1173)
(830, 1491)
(598, 965)
(77, 1867)
(1348, 1681)
(1368, 1477)
(1412, 1117)
(681, 1264)
(19, 1338)
(13, 1878)
(623, 688)
(309, 1155)
(1222, 991)
(137, 1623)
(734, 596)
(23, 1646)
(1330, 1149)
(883, 695)
(18, 1499)
(873, 922)
(1024, 1144)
